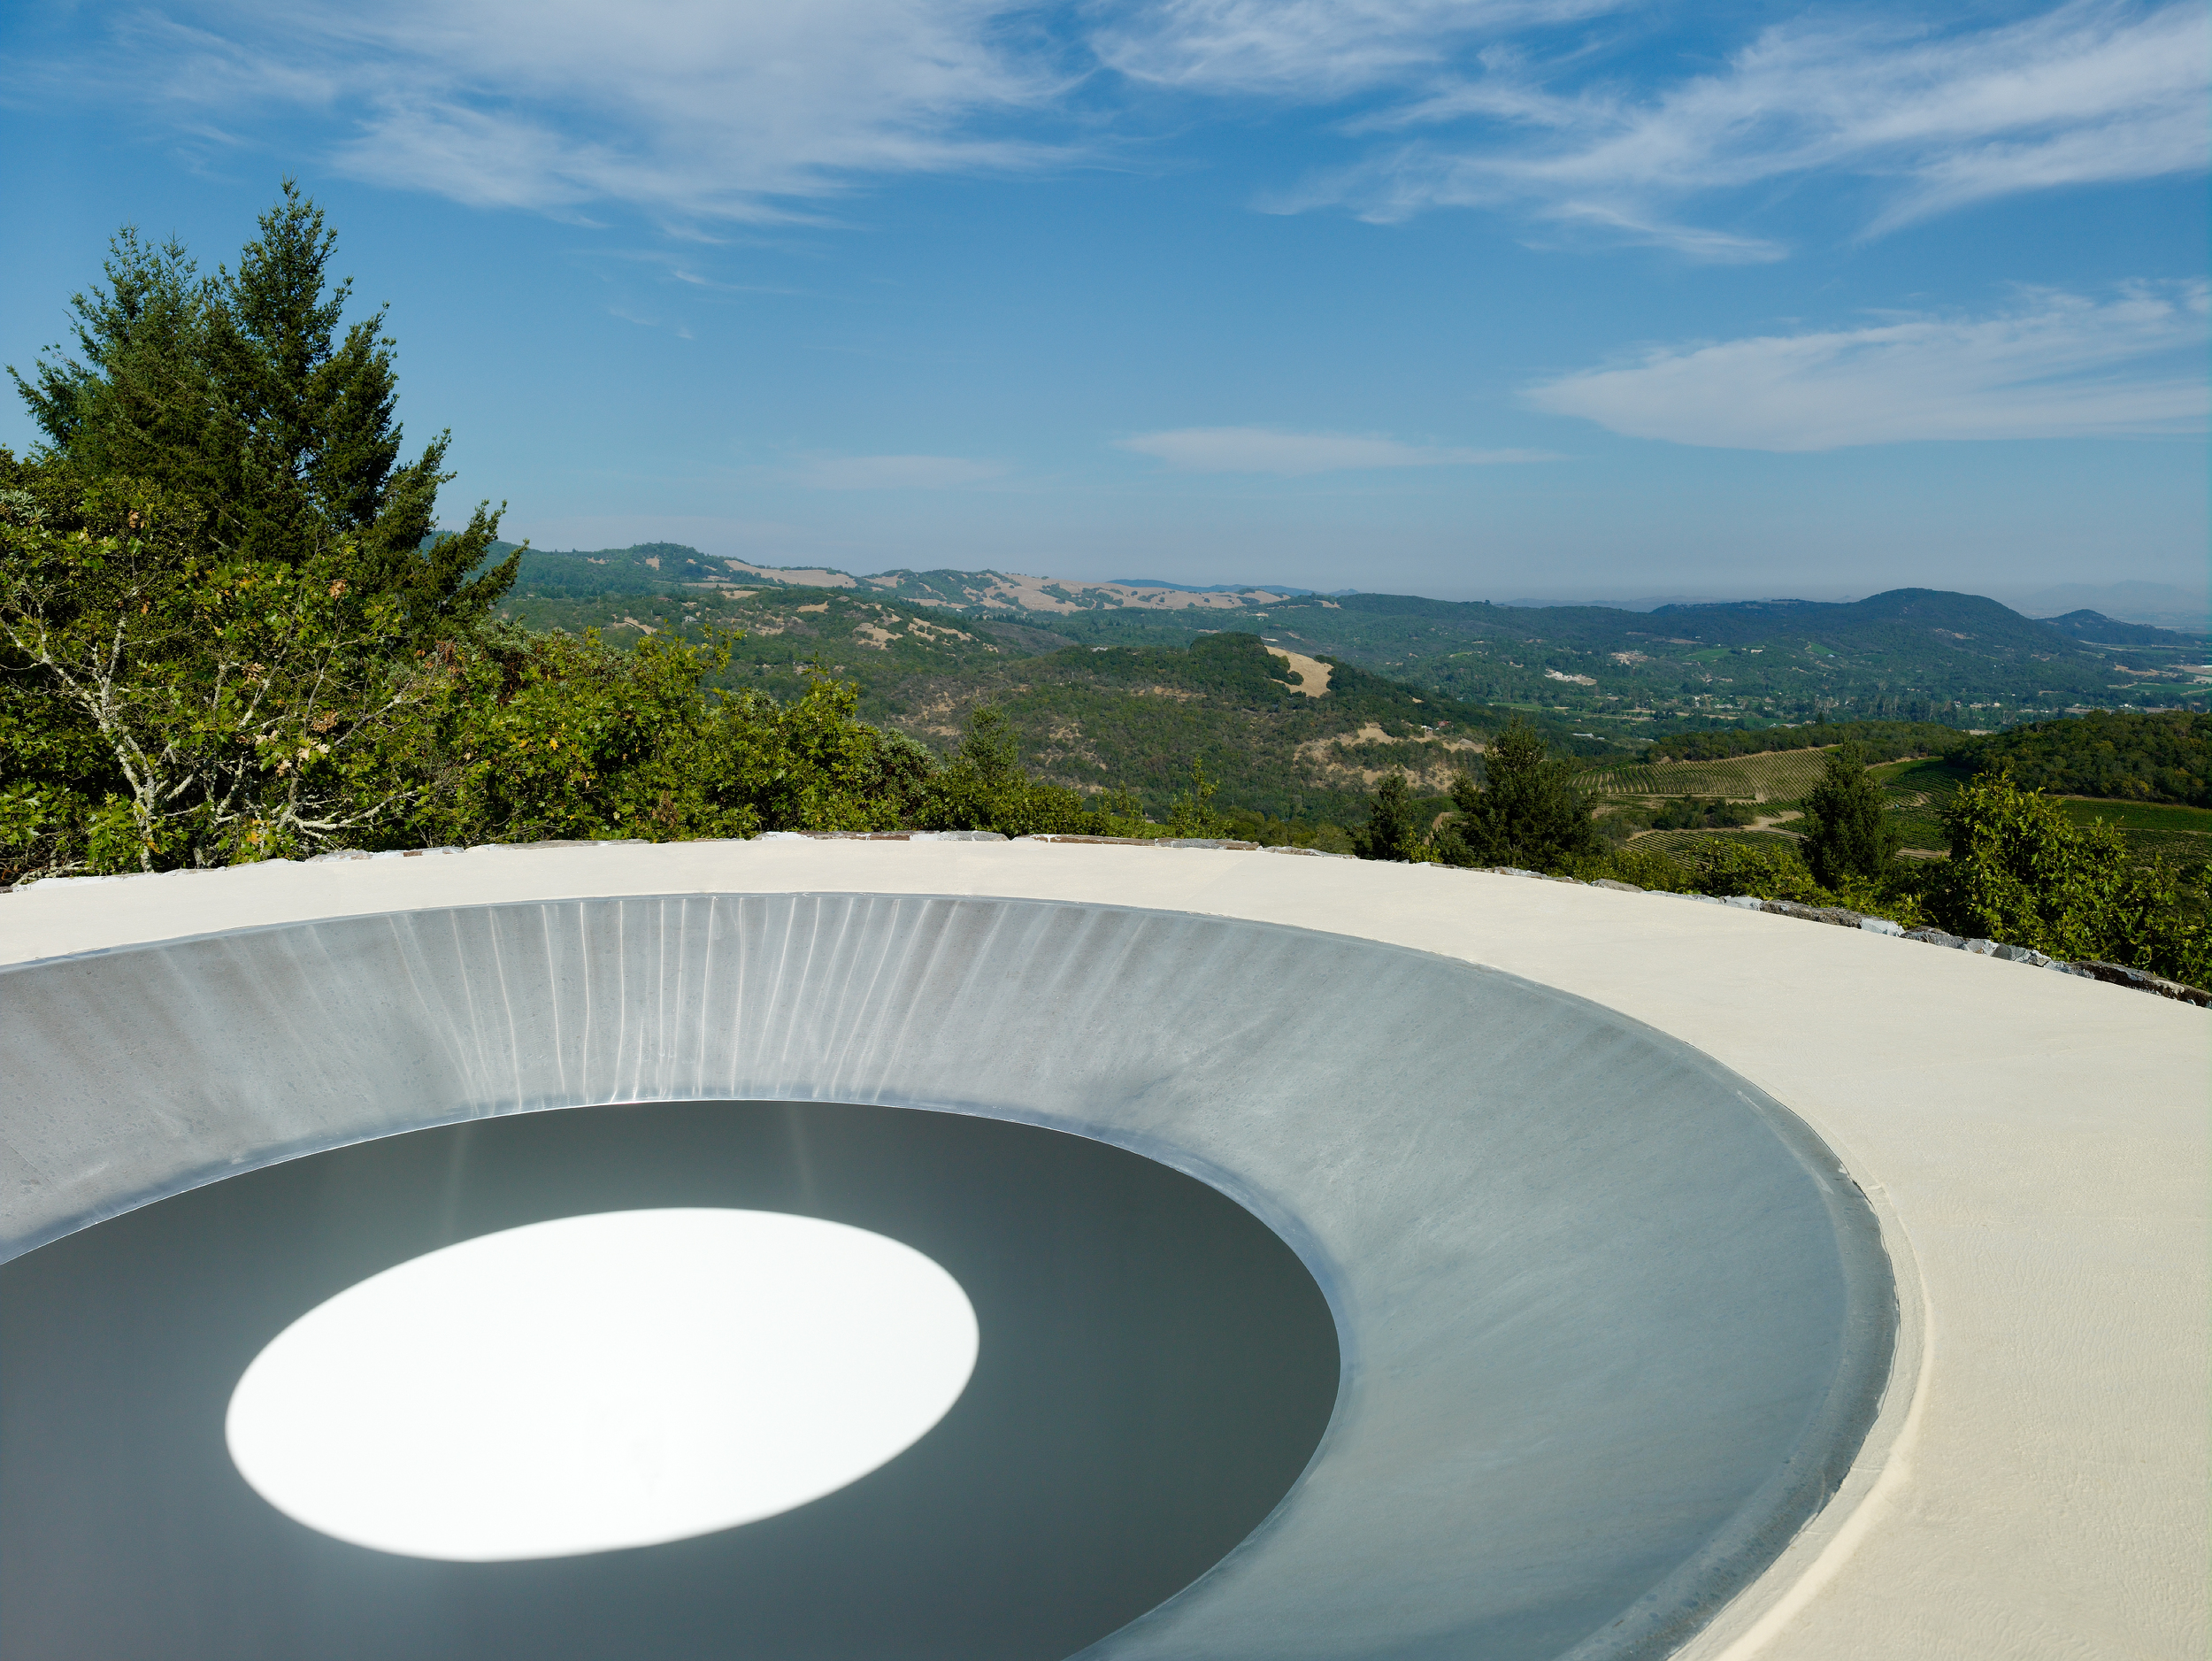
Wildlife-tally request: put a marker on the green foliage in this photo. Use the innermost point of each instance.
(171, 703)
(1270, 832)
(1641, 867)
(1530, 812)
(2021, 872)
(1770, 869)
(2142, 757)
(1876, 741)
(238, 395)
(1393, 830)
(1691, 812)
(1848, 833)
(1192, 813)
(985, 787)
(550, 737)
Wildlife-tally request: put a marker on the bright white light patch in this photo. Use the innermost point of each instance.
(602, 1382)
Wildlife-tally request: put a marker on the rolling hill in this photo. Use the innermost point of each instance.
(1295, 703)
(1621, 676)
(1281, 735)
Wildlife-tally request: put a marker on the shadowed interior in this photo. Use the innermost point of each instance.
(1156, 1369)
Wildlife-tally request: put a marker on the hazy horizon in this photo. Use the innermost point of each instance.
(2175, 603)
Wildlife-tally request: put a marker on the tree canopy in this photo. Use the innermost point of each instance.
(1849, 834)
(1877, 740)
(1393, 830)
(1528, 811)
(2021, 871)
(2163, 756)
(247, 398)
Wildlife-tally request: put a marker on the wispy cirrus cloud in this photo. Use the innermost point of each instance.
(1556, 112)
(713, 108)
(1312, 48)
(889, 472)
(2056, 366)
(2095, 91)
(1265, 449)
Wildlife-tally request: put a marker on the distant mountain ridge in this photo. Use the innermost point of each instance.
(1225, 588)
(2187, 607)
(1623, 675)
(993, 589)
(2110, 631)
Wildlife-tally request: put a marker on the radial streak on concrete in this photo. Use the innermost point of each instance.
(2037, 1142)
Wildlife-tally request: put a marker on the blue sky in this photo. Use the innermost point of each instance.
(1489, 298)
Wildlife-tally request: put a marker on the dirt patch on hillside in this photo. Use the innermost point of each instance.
(1317, 749)
(1431, 762)
(1313, 675)
(816, 579)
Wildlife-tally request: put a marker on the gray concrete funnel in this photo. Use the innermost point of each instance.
(1612, 1323)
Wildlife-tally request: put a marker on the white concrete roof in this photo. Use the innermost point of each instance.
(2035, 1144)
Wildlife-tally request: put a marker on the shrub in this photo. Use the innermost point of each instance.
(984, 787)
(1644, 867)
(1690, 812)
(1770, 870)
(2021, 871)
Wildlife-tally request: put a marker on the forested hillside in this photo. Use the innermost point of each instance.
(2128, 757)
(1877, 740)
(1624, 677)
(2097, 629)
(228, 631)
(1091, 717)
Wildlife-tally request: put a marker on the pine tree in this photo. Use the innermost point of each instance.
(1390, 832)
(1528, 812)
(239, 393)
(1850, 832)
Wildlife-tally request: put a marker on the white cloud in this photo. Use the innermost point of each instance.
(705, 110)
(889, 472)
(1311, 48)
(708, 108)
(2095, 91)
(2058, 365)
(1264, 450)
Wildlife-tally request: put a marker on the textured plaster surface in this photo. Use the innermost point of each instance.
(2036, 1145)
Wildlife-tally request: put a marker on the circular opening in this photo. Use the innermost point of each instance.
(1153, 1367)
(602, 1382)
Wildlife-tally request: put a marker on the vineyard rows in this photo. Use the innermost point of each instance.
(1775, 776)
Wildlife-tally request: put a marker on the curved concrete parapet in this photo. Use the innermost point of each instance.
(1630, 1365)
(1613, 1323)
